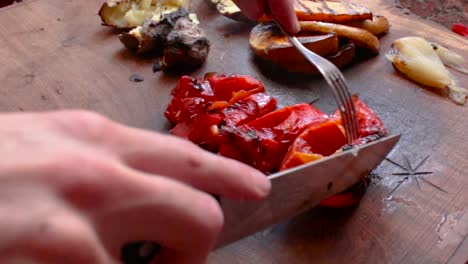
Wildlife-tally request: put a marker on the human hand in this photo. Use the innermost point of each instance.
(75, 187)
(282, 11)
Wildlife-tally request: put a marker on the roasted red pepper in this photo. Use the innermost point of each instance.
(263, 143)
(369, 122)
(234, 116)
(325, 139)
(199, 107)
(314, 143)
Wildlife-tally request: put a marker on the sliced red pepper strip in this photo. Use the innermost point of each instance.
(203, 131)
(325, 139)
(314, 143)
(217, 91)
(263, 143)
(369, 122)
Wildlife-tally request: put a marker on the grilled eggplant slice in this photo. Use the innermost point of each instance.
(306, 10)
(128, 14)
(361, 37)
(268, 42)
(341, 59)
(328, 11)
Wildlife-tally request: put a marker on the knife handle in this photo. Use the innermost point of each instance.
(144, 252)
(139, 252)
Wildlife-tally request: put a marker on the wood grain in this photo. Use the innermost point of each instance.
(56, 55)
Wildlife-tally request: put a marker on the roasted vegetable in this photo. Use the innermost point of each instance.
(263, 143)
(361, 37)
(268, 42)
(152, 35)
(306, 10)
(199, 108)
(378, 25)
(229, 9)
(128, 14)
(233, 116)
(326, 138)
(187, 46)
(368, 121)
(417, 59)
(330, 11)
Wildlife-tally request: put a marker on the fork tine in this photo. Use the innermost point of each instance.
(346, 101)
(337, 83)
(350, 106)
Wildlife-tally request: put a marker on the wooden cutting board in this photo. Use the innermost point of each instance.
(55, 54)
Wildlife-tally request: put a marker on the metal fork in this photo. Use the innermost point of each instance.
(337, 83)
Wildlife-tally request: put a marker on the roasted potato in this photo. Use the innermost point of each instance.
(128, 14)
(361, 37)
(268, 42)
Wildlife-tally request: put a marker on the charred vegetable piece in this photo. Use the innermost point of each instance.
(192, 96)
(326, 138)
(229, 9)
(268, 42)
(200, 107)
(369, 121)
(317, 141)
(361, 37)
(204, 128)
(263, 143)
(330, 11)
(187, 46)
(127, 14)
(378, 25)
(152, 35)
(306, 10)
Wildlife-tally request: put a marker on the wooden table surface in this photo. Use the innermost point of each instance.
(55, 54)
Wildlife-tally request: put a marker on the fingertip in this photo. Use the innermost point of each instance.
(252, 9)
(261, 184)
(284, 13)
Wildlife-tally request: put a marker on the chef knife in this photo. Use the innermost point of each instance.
(293, 192)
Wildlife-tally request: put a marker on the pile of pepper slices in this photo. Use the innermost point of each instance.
(234, 117)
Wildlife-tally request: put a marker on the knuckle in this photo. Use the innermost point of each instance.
(83, 123)
(83, 179)
(66, 232)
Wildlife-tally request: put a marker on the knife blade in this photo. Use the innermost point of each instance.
(301, 188)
